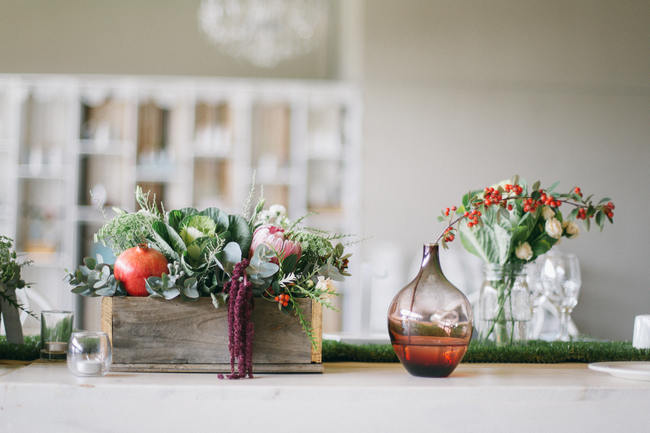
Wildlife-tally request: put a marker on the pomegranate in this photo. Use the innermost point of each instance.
(135, 265)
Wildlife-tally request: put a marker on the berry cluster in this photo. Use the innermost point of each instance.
(448, 235)
(492, 196)
(282, 299)
(506, 196)
(473, 217)
(452, 209)
(516, 189)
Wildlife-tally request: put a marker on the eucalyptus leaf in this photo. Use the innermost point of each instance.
(190, 288)
(230, 256)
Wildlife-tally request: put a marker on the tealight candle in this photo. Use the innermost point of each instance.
(89, 353)
(90, 367)
(56, 346)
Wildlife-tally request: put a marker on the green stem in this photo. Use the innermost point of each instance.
(504, 293)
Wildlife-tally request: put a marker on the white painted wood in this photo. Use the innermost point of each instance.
(348, 397)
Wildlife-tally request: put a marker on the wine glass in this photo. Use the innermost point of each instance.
(560, 275)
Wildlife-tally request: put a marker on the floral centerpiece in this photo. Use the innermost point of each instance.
(510, 224)
(233, 259)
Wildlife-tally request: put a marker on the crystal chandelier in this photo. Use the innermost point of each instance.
(264, 32)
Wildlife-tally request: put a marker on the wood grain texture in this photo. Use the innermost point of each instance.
(107, 316)
(151, 334)
(217, 368)
(317, 327)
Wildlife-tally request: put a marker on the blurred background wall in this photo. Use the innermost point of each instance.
(456, 95)
(464, 94)
(133, 37)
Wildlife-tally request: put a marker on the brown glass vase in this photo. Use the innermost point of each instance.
(430, 321)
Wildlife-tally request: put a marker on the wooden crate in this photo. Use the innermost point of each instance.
(154, 335)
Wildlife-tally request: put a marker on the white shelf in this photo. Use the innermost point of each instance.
(104, 148)
(45, 260)
(89, 214)
(155, 175)
(40, 173)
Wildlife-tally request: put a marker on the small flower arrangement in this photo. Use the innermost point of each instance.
(230, 258)
(511, 224)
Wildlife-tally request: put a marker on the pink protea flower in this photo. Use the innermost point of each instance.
(273, 237)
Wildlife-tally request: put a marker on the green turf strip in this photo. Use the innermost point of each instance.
(20, 352)
(532, 352)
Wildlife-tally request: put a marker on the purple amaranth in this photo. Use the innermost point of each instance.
(240, 327)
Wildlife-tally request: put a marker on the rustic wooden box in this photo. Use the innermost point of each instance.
(154, 335)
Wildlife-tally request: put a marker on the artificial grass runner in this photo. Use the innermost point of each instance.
(534, 352)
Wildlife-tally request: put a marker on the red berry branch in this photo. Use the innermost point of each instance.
(510, 195)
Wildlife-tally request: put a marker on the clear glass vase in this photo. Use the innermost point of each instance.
(430, 321)
(505, 307)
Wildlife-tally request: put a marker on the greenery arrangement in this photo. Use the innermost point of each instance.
(511, 224)
(10, 270)
(231, 258)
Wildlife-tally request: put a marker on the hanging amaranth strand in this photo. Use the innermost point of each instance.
(240, 327)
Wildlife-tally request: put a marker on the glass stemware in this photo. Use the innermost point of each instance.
(560, 275)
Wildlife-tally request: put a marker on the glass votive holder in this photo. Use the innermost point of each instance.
(89, 353)
(56, 327)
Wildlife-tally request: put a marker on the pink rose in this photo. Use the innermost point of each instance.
(273, 237)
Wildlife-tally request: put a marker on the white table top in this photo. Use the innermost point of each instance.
(347, 397)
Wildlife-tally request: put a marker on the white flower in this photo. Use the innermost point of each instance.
(278, 210)
(571, 229)
(553, 228)
(524, 251)
(325, 284)
(548, 213)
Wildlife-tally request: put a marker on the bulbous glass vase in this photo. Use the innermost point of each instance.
(430, 321)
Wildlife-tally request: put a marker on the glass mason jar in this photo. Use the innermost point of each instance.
(505, 307)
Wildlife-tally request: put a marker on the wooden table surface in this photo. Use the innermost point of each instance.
(348, 397)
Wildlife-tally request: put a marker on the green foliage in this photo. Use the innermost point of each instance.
(171, 285)
(201, 247)
(495, 236)
(126, 230)
(10, 271)
(95, 278)
(261, 270)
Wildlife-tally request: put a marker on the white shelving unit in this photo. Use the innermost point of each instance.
(193, 141)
